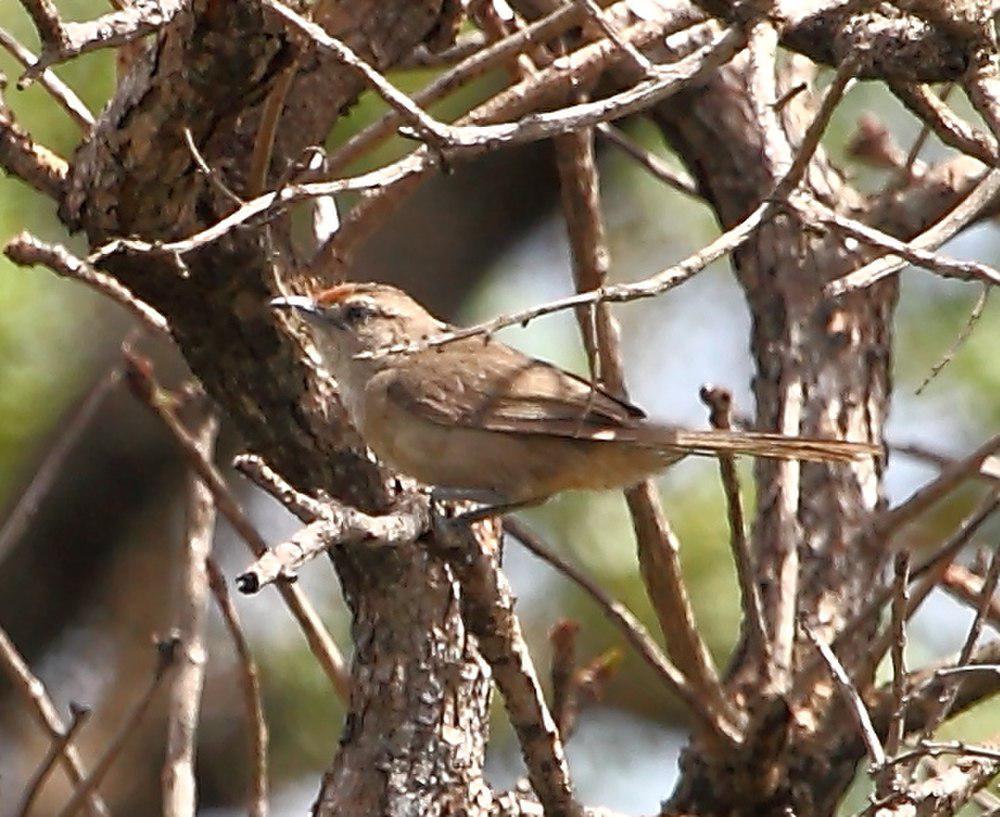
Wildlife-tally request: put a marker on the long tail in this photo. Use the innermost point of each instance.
(774, 446)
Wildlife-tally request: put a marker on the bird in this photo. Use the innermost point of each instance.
(476, 419)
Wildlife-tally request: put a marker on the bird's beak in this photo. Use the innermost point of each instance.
(302, 304)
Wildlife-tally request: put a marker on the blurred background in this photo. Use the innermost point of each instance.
(91, 490)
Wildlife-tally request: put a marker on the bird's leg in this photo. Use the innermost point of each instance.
(493, 504)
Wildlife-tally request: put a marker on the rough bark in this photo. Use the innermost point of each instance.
(824, 368)
(419, 704)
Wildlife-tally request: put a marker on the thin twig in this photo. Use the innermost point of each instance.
(888, 523)
(633, 631)
(666, 80)
(166, 656)
(27, 250)
(936, 262)
(184, 705)
(596, 13)
(949, 128)
(720, 401)
(28, 160)
(970, 324)
(140, 378)
(928, 571)
(887, 778)
(967, 587)
(71, 429)
(65, 40)
(57, 748)
(934, 236)
(677, 274)
(252, 698)
(338, 525)
(305, 507)
(856, 706)
(64, 95)
(906, 169)
(677, 179)
(950, 689)
(656, 543)
(34, 694)
(212, 176)
(497, 53)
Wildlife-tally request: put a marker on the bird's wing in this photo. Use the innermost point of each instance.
(504, 391)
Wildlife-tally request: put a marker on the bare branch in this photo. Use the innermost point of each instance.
(494, 54)
(891, 521)
(338, 525)
(634, 632)
(33, 692)
(63, 41)
(966, 332)
(253, 701)
(677, 179)
(184, 706)
(946, 700)
(305, 507)
(856, 706)
(59, 90)
(967, 587)
(78, 717)
(32, 163)
(941, 264)
(488, 612)
(666, 80)
(887, 779)
(946, 124)
(942, 794)
(166, 652)
(675, 275)
(720, 401)
(657, 545)
(140, 378)
(27, 503)
(267, 206)
(27, 250)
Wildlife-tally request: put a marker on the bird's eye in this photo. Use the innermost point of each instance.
(356, 312)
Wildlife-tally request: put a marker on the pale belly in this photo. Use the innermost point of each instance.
(516, 467)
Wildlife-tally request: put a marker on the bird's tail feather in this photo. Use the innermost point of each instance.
(761, 444)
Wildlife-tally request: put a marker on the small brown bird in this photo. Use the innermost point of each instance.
(484, 421)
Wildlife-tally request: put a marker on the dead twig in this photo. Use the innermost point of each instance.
(62, 41)
(31, 162)
(78, 717)
(634, 632)
(252, 697)
(184, 705)
(144, 386)
(656, 543)
(338, 525)
(720, 401)
(34, 694)
(166, 658)
(852, 698)
(27, 250)
(890, 522)
(64, 96)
